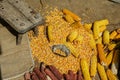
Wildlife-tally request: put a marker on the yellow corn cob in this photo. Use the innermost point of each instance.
(74, 16)
(72, 49)
(88, 26)
(102, 28)
(85, 69)
(99, 40)
(106, 38)
(113, 34)
(101, 72)
(101, 54)
(110, 75)
(76, 24)
(109, 57)
(102, 22)
(117, 36)
(93, 65)
(69, 19)
(92, 42)
(111, 46)
(96, 31)
(72, 36)
(115, 62)
(79, 39)
(50, 28)
(106, 53)
(96, 27)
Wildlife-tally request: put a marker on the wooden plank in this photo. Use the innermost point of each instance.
(19, 15)
(13, 17)
(26, 10)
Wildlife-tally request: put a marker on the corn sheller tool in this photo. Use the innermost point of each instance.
(20, 16)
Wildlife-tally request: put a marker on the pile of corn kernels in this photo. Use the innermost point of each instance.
(41, 46)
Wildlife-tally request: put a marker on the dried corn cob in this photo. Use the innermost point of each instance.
(106, 38)
(48, 78)
(93, 65)
(109, 57)
(39, 74)
(115, 62)
(55, 71)
(101, 72)
(72, 35)
(72, 49)
(33, 76)
(102, 22)
(50, 28)
(102, 28)
(72, 75)
(79, 75)
(99, 40)
(106, 53)
(117, 36)
(50, 74)
(85, 69)
(74, 16)
(67, 77)
(111, 46)
(96, 30)
(76, 24)
(110, 75)
(113, 34)
(96, 27)
(92, 42)
(79, 39)
(69, 19)
(88, 26)
(101, 54)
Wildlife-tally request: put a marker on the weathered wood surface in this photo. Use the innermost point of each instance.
(19, 15)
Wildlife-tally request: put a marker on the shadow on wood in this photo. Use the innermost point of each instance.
(0, 74)
(5, 24)
(0, 50)
(15, 33)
